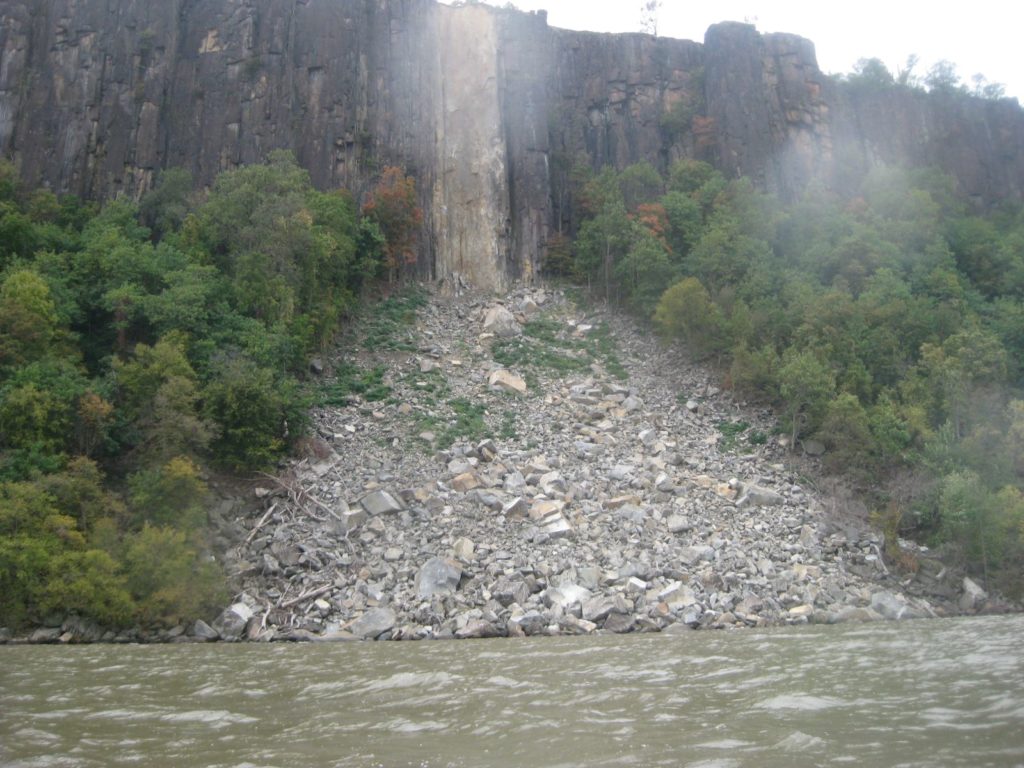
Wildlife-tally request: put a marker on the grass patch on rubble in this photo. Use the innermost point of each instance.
(735, 433)
(508, 429)
(465, 422)
(350, 381)
(433, 383)
(386, 324)
(545, 345)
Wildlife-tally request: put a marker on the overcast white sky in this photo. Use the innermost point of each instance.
(978, 36)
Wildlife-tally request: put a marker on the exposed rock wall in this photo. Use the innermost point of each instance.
(487, 108)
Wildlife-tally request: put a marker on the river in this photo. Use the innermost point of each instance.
(926, 693)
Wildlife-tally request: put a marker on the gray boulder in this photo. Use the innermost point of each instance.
(203, 631)
(619, 623)
(380, 503)
(531, 623)
(373, 623)
(507, 591)
(567, 595)
(438, 575)
(230, 625)
(693, 555)
(756, 496)
(888, 606)
(501, 322)
(973, 597)
(477, 629)
(598, 608)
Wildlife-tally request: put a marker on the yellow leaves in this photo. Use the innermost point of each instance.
(28, 317)
(94, 418)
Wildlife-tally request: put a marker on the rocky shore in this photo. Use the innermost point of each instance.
(527, 467)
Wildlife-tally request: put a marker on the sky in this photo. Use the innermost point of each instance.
(981, 36)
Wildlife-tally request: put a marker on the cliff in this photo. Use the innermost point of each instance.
(486, 108)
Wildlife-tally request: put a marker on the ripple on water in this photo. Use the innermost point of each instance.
(218, 718)
(801, 702)
(799, 742)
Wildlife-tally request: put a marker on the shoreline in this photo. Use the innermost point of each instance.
(520, 466)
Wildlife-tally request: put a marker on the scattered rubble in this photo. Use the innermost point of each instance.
(589, 503)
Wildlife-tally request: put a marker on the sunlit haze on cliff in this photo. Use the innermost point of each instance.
(981, 37)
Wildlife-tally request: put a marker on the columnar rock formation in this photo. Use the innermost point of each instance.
(486, 108)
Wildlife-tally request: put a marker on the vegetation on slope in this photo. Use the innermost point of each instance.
(888, 325)
(140, 345)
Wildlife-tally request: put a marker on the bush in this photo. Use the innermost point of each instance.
(255, 412)
(168, 578)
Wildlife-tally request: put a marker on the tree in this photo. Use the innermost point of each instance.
(603, 242)
(805, 384)
(392, 204)
(645, 271)
(256, 413)
(171, 495)
(28, 317)
(168, 578)
(905, 75)
(165, 207)
(649, 16)
(639, 183)
(872, 73)
(686, 311)
(845, 430)
(986, 90)
(943, 78)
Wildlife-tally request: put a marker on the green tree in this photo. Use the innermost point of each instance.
(686, 311)
(173, 495)
(164, 208)
(872, 73)
(255, 413)
(169, 578)
(602, 243)
(28, 318)
(805, 385)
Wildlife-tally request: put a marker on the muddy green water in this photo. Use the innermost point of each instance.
(926, 693)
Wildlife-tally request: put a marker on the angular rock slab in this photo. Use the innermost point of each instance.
(501, 322)
(756, 496)
(438, 576)
(506, 381)
(380, 503)
(508, 591)
(373, 623)
(230, 625)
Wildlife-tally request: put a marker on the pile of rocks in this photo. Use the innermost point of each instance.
(602, 504)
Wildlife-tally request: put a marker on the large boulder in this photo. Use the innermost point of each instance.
(506, 381)
(373, 623)
(502, 323)
(508, 591)
(203, 631)
(439, 575)
(230, 625)
(973, 597)
(380, 502)
(756, 496)
(888, 606)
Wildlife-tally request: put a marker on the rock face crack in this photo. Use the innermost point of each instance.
(488, 109)
(584, 502)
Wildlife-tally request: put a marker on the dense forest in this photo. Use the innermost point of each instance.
(143, 346)
(886, 326)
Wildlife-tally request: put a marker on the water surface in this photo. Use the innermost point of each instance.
(926, 693)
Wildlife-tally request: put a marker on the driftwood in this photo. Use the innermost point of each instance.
(261, 523)
(306, 596)
(300, 495)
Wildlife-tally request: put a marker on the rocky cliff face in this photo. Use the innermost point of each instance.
(487, 108)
